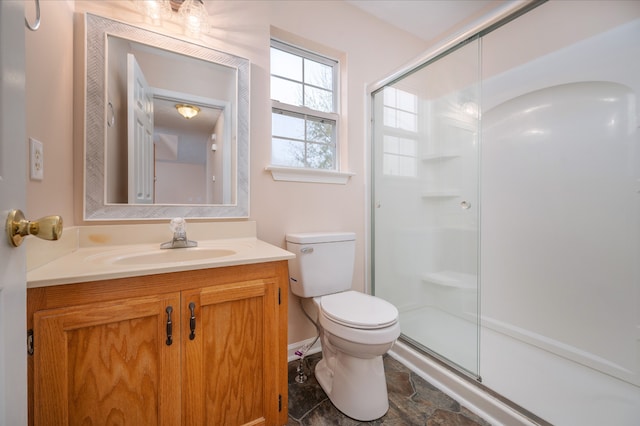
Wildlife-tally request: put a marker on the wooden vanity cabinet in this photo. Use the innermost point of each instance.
(106, 363)
(105, 353)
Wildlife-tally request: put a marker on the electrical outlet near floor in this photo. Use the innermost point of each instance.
(37, 159)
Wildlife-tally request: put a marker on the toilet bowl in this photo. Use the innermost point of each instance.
(356, 329)
(351, 371)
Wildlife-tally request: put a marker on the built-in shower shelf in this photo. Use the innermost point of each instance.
(447, 193)
(451, 279)
(441, 156)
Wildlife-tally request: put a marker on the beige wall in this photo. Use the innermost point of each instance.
(49, 79)
(370, 49)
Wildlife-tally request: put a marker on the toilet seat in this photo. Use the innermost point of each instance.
(358, 310)
(362, 336)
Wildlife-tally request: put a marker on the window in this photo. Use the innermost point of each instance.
(304, 115)
(400, 144)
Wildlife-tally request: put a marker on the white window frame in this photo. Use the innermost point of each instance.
(308, 174)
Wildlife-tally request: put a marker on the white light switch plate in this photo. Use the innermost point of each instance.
(37, 159)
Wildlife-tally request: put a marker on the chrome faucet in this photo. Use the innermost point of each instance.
(179, 228)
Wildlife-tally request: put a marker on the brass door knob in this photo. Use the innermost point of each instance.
(47, 228)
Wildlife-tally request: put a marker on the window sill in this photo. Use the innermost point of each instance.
(295, 174)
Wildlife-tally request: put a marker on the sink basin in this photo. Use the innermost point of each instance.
(158, 256)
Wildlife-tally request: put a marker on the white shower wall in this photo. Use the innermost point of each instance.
(560, 205)
(560, 228)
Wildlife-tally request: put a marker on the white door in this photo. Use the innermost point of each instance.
(13, 352)
(140, 134)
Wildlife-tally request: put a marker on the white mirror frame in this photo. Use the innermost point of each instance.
(96, 29)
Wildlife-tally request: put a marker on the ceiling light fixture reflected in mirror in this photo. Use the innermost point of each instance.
(187, 111)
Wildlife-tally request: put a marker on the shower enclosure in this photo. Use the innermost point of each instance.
(505, 209)
(426, 203)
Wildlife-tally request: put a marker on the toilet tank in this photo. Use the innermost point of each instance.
(323, 264)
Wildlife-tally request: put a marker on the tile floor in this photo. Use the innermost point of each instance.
(412, 401)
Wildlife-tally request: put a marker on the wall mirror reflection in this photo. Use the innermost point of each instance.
(177, 135)
(166, 126)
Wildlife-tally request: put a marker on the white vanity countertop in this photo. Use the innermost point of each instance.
(103, 254)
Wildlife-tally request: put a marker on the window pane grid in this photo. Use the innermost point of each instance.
(302, 82)
(300, 140)
(400, 109)
(315, 95)
(400, 117)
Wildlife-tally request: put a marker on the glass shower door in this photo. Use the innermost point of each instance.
(425, 204)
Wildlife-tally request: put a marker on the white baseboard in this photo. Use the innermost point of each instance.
(293, 347)
(467, 394)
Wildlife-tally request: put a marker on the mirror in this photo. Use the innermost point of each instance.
(143, 160)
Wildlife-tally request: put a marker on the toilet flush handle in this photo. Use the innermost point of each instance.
(306, 250)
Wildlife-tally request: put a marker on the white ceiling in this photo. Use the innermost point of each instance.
(427, 19)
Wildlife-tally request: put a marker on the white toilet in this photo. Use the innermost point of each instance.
(356, 329)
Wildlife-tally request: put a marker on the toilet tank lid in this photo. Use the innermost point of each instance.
(320, 237)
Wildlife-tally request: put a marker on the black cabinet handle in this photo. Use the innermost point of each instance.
(192, 321)
(169, 326)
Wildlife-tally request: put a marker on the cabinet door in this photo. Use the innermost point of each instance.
(230, 361)
(108, 363)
